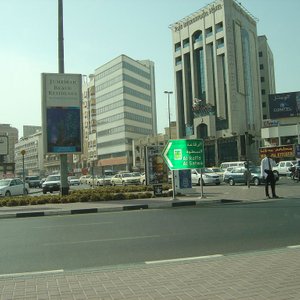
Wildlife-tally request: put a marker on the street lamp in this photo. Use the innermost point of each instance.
(169, 93)
(23, 166)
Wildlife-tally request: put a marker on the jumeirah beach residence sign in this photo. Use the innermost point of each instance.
(61, 113)
(184, 154)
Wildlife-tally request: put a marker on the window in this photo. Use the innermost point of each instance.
(264, 104)
(186, 43)
(263, 92)
(262, 79)
(219, 27)
(260, 54)
(261, 66)
(208, 32)
(178, 61)
(177, 47)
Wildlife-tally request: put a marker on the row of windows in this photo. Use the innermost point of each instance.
(112, 143)
(125, 115)
(122, 77)
(198, 36)
(119, 66)
(117, 154)
(124, 103)
(125, 90)
(124, 128)
(109, 71)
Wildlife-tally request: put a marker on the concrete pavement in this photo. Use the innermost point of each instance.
(272, 274)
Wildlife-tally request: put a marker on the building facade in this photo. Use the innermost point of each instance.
(125, 109)
(13, 135)
(32, 145)
(217, 81)
(267, 74)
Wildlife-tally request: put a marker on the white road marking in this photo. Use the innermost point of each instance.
(293, 247)
(103, 240)
(32, 273)
(183, 259)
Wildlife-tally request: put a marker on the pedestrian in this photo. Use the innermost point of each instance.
(266, 166)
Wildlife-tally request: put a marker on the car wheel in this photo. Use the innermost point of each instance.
(256, 181)
(7, 194)
(44, 192)
(51, 191)
(218, 183)
(123, 183)
(231, 182)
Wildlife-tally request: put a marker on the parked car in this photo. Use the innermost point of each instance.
(283, 167)
(73, 180)
(83, 179)
(238, 175)
(13, 187)
(51, 184)
(208, 177)
(125, 179)
(103, 180)
(217, 170)
(33, 181)
(225, 165)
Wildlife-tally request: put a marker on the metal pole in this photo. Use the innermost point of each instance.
(169, 113)
(23, 170)
(64, 186)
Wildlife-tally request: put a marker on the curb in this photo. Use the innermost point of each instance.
(175, 204)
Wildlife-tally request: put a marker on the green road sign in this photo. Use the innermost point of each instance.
(184, 154)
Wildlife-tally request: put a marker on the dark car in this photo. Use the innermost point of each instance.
(51, 184)
(33, 181)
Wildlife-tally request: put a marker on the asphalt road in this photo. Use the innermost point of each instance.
(94, 240)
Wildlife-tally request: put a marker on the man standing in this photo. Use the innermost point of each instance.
(266, 166)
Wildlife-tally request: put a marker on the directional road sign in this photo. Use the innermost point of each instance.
(184, 154)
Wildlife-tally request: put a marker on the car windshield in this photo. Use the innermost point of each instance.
(53, 178)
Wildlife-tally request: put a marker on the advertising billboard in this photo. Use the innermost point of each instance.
(61, 113)
(284, 105)
(3, 144)
(277, 152)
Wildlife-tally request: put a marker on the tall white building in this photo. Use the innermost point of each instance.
(125, 109)
(217, 80)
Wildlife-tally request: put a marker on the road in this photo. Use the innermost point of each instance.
(94, 240)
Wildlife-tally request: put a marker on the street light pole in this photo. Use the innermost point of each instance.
(169, 93)
(23, 170)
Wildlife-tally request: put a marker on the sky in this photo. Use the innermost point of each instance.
(97, 31)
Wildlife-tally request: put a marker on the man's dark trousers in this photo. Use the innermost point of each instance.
(270, 179)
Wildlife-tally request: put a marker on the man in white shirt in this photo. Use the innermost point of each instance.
(266, 166)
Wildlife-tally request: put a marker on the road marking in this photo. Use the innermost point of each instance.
(32, 273)
(103, 240)
(183, 259)
(293, 247)
(71, 225)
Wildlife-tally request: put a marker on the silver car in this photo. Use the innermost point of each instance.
(13, 187)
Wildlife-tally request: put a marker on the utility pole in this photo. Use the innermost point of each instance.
(64, 186)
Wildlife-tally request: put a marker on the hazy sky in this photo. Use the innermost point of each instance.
(96, 31)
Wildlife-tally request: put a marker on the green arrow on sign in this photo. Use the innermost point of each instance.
(184, 154)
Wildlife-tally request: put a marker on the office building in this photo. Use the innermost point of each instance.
(125, 109)
(13, 135)
(217, 80)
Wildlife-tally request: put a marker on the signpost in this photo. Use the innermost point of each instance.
(184, 154)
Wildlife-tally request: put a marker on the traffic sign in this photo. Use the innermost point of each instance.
(184, 154)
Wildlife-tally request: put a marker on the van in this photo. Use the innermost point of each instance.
(228, 164)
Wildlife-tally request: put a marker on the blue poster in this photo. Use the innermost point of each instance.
(63, 129)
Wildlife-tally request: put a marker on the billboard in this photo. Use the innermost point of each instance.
(284, 105)
(277, 152)
(61, 113)
(3, 144)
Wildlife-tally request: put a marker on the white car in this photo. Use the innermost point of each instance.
(125, 179)
(13, 187)
(73, 180)
(283, 167)
(208, 177)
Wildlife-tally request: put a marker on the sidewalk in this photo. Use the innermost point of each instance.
(257, 275)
